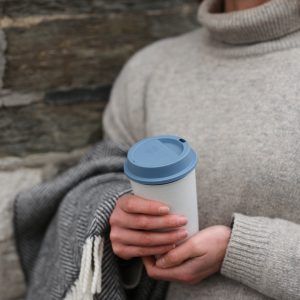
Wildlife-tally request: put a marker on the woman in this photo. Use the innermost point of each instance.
(232, 90)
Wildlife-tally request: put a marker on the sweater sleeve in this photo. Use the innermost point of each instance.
(124, 120)
(264, 254)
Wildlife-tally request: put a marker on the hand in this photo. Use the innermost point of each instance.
(133, 224)
(195, 259)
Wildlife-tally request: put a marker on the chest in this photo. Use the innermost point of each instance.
(245, 127)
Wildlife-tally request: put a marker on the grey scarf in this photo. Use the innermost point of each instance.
(62, 233)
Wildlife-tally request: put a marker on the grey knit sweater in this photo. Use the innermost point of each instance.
(232, 89)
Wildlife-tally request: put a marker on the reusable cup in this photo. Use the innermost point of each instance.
(163, 168)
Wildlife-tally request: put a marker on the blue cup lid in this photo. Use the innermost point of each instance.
(160, 160)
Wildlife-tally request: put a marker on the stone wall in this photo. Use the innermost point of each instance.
(58, 60)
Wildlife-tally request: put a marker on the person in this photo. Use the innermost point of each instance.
(231, 88)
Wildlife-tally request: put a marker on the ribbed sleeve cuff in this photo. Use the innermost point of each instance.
(247, 250)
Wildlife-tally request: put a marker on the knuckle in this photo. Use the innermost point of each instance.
(141, 252)
(112, 219)
(114, 235)
(129, 204)
(143, 223)
(146, 240)
(118, 249)
(115, 216)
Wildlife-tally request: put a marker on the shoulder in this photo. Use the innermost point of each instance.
(163, 52)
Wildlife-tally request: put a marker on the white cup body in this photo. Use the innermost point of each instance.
(180, 196)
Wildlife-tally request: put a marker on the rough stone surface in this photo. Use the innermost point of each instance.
(33, 161)
(17, 8)
(61, 59)
(9, 98)
(2, 57)
(52, 163)
(77, 51)
(44, 127)
(11, 278)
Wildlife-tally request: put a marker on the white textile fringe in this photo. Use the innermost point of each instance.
(90, 276)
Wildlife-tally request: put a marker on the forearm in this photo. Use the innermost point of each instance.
(264, 254)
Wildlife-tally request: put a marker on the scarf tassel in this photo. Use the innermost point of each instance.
(90, 277)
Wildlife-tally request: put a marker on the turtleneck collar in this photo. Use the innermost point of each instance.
(269, 21)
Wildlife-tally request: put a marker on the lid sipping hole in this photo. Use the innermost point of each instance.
(182, 140)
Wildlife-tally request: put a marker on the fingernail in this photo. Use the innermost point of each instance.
(164, 209)
(182, 221)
